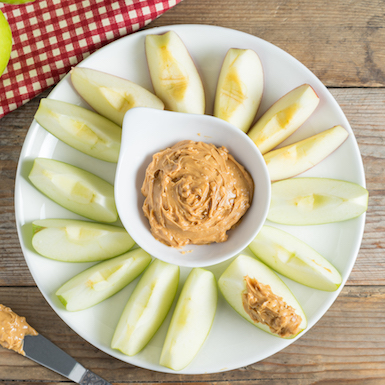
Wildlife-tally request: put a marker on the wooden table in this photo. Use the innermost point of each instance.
(343, 43)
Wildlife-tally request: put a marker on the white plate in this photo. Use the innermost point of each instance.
(233, 342)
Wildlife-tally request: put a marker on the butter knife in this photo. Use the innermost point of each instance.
(45, 353)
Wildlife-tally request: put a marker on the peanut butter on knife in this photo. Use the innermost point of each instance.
(13, 329)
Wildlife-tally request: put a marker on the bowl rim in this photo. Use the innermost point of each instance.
(132, 222)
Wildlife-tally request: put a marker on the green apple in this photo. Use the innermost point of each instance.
(173, 74)
(5, 42)
(15, 2)
(72, 240)
(315, 201)
(284, 117)
(111, 96)
(80, 128)
(75, 189)
(191, 321)
(102, 280)
(147, 308)
(296, 158)
(295, 259)
(232, 284)
(240, 88)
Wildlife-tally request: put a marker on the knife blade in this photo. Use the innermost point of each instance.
(44, 352)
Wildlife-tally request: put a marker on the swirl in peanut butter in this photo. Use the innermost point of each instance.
(195, 192)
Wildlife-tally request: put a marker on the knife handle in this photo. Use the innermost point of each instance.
(90, 378)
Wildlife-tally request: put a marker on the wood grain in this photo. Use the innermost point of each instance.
(348, 344)
(342, 42)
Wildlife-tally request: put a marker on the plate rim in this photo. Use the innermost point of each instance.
(34, 126)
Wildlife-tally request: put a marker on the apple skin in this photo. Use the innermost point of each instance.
(71, 240)
(5, 42)
(296, 158)
(284, 117)
(102, 280)
(111, 96)
(316, 201)
(175, 78)
(240, 88)
(147, 308)
(232, 284)
(75, 189)
(294, 259)
(16, 2)
(80, 128)
(191, 321)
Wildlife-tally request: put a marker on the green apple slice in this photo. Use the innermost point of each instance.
(102, 280)
(147, 308)
(314, 201)
(294, 159)
(70, 240)
(80, 128)
(173, 74)
(232, 285)
(284, 117)
(75, 189)
(240, 88)
(191, 321)
(111, 96)
(295, 259)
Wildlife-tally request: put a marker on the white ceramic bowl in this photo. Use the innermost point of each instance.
(147, 131)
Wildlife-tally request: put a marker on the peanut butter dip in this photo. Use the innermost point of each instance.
(13, 328)
(195, 192)
(262, 305)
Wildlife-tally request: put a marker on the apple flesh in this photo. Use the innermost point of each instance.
(75, 189)
(111, 96)
(147, 308)
(71, 240)
(174, 76)
(102, 280)
(80, 128)
(232, 285)
(284, 117)
(240, 88)
(294, 259)
(296, 158)
(315, 201)
(5, 42)
(191, 321)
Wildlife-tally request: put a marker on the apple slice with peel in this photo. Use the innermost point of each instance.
(239, 88)
(102, 280)
(284, 117)
(80, 128)
(71, 240)
(232, 284)
(75, 189)
(315, 201)
(295, 259)
(147, 308)
(191, 321)
(294, 159)
(174, 76)
(110, 95)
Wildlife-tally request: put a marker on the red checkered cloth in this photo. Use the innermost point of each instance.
(51, 36)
